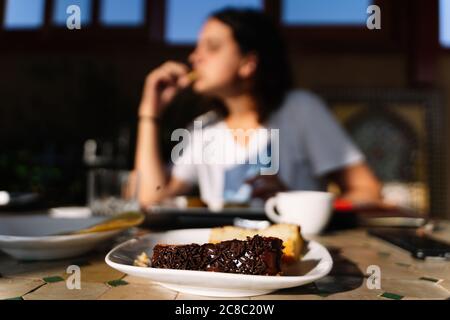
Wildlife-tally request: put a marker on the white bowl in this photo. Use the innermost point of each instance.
(30, 237)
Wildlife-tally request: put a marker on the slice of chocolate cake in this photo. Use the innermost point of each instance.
(256, 256)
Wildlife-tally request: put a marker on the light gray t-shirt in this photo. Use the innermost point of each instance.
(310, 144)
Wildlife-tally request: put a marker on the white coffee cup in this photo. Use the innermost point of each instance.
(311, 210)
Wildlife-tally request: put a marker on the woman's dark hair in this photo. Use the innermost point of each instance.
(256, 33)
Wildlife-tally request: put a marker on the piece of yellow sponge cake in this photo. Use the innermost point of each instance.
(289, 233)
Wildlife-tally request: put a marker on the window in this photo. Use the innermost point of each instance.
(24, 14)
(60, 11)
(185, 18)
(444, 23)
(129, 13)
(325, 12)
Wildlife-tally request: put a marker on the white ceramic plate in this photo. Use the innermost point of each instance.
(315, 264)
(30, 237)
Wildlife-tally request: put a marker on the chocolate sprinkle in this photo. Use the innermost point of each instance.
(256, 256)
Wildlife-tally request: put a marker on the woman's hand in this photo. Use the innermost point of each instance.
(266, 186)
(358, 184)
(160, 87)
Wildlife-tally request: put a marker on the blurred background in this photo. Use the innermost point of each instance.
(69, 98)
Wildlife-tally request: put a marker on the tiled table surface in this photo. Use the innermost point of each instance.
(353, 251)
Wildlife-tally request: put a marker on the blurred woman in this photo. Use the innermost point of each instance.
(240, 60)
